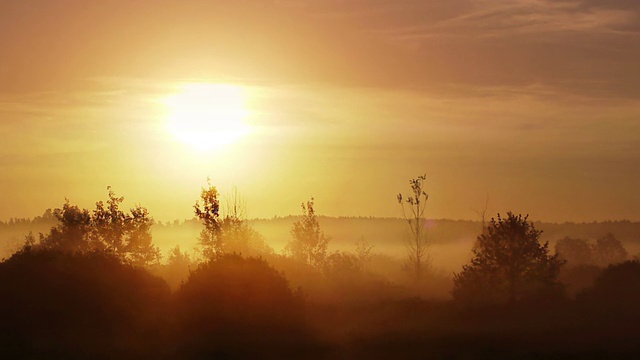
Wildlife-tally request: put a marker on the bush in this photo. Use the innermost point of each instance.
(618, 286)
(79, 305)
(236, 306)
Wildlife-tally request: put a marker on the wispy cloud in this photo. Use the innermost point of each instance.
(505, 19)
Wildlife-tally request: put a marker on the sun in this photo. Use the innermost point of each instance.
(207, 116)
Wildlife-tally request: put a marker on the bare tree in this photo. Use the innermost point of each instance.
(235, 205)
(418, 244)
(237, 233)
(483, 215)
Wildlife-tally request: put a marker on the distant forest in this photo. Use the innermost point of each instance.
(385, 234)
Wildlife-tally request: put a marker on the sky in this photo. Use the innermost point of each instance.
(531, 104)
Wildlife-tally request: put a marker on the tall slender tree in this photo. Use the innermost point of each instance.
(208, 211)
(417, 245)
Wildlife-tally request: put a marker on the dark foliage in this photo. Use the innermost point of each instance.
(79, 305)
(509, 264)
(578, 278)
(609, 250)
(577, 252)
(618, 286)
(235, 306)
(208, 212)
(59, 301)
(107, 228)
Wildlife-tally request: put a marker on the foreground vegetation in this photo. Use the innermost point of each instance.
(94, 286)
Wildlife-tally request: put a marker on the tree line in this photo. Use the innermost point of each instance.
(87, 289)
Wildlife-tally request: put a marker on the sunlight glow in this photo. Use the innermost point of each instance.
(208, 116)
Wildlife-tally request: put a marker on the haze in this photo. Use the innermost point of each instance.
(534, 104)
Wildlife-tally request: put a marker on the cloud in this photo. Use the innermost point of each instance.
(505, 19)
(578, 47)
(584, 47)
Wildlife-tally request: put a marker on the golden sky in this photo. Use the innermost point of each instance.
(534, 102)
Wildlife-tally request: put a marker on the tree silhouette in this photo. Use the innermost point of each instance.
(229, 234)
(177, 267)
(417, 245)
(309, 243)
(107, 228)
(576, 251)
(508, 264)
(208, 212)
(344, 269)
(239, 237)
(609, 250)
(72, 232)
(126, 234)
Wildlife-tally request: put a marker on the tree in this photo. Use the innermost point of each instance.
(208, 212)
(344, 270)
(239, 237)
(177, 268)
(71, 234)
(127, 234)
(139, 243)
(178, 258)
(107, 228)
(508, 264)
(609, 250)
(483, 214)
(309, 243)
(363, 251)
(576, 251)
(417, 245)
(229, 234)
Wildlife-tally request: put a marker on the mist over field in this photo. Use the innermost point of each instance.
(240, 288)
(452, 240)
